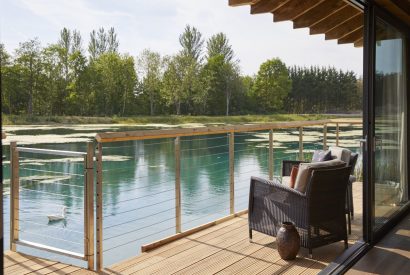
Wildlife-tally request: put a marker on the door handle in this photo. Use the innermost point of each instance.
(363, 143)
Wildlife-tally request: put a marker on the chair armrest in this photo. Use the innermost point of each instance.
(287, 166)
(271, 203)
(277, 187)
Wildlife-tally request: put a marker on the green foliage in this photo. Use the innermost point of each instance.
(220, 80)
(102, 42)
(115, 82)
(62, 79)
(272, 85)
(29, 66)
(191, 42)
(218, 44)
(220, 76)
(323, 90)
(169, 119)
(181, 82)
(150, 68)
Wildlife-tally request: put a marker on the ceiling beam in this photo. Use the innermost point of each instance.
(403, 4)
(358, 43)
(346, 28)
(235, 3)
(400, 8)
(294, 9)
(351, 37)
(265, 6)
(355, 4)
(333, 21)
(318, 13)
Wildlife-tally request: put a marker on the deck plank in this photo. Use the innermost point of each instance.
(11, 258)
(20, 264)
(255, 262)
(51, 269)
(225, 257)
(225, 249)
(177, 262)
(390, 256)
(29, 266)
(181, 244)
(220, 249)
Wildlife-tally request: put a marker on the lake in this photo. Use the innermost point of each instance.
(139, 182)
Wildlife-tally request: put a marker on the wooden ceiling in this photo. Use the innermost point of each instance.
(336, 19)
(399, 8)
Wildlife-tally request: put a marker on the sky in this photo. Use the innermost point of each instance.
(156, 24)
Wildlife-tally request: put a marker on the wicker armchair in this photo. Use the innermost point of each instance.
(319, 214)
(287, 168)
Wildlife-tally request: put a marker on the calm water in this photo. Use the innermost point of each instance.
(138, 180)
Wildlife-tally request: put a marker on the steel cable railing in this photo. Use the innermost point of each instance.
(138, 203)
(251, 158)
(33, 181)
(138, 198)
(207, 167)
(209, 173)
(136, 209)
(52, 172)
(138, 219)
(44, 189)
(131, 241)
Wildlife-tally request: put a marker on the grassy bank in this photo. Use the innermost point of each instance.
(171, 119)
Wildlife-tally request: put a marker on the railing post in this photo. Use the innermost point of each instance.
(231, 173)
(271, 168)
(99, 206)
(89, 205)
(14, 195)
(178, 185)
(324, 136)
(301, 143)
(337, 134)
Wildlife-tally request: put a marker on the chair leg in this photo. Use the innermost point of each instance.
(351, 201)
(346, 244)
(250, 235)
(349, 223)
(310, 253)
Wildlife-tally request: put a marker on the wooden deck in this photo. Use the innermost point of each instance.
(225, 249)
(20, 264)
(390, 256)
(221, 249)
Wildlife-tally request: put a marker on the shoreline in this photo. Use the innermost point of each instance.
(14, 120)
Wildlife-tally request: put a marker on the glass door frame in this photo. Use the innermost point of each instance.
(372, 13)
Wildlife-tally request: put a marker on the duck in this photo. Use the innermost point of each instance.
(58, 217)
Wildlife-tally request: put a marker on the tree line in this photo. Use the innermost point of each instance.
(202, 78)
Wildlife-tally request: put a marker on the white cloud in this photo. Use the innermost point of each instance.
(74, 13)
(156, 24)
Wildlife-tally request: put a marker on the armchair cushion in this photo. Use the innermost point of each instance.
(321, 155)
(305, 171)
(340, 154)
(293, 175)
(286, 181)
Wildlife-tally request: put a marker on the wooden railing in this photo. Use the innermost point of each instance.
(112, 137)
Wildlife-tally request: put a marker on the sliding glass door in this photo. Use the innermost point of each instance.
(390, 123)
